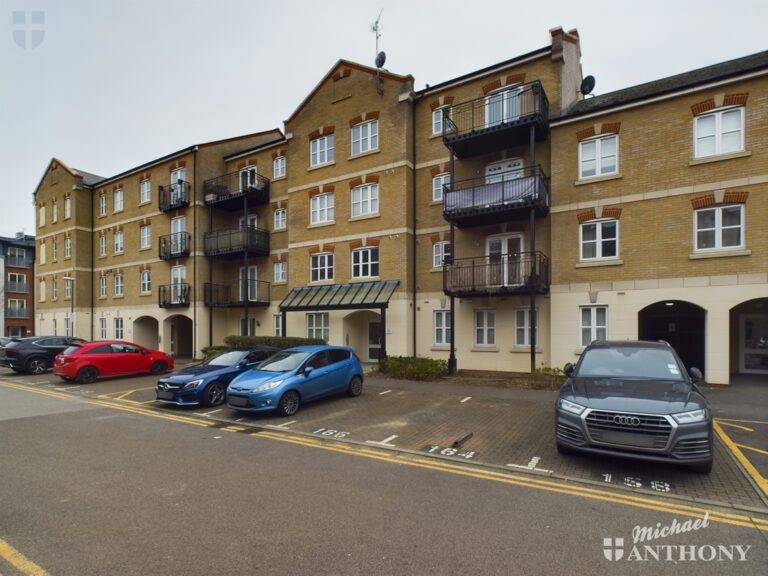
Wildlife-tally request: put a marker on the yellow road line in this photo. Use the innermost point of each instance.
(748, 466)
(752, 448)
(744, 421)
(737, 426)
(129, 392)
(19, 561)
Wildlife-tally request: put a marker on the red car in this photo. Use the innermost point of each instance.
(84, 363)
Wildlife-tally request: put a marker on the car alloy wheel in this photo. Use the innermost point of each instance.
(355, 386)
(87, 375)
(37, 365)
(158, 367)
(289, 403)
(214, 394)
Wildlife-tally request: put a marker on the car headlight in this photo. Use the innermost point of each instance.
(571, 407)
(192, 384)
(691, 417)
(267, 386)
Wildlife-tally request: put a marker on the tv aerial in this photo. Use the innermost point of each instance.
(587, 85)
(381, 57)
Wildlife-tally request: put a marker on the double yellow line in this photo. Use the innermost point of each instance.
(19, 561)
(735, 449)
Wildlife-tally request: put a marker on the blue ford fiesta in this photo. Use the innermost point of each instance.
(294, 376)
(205, 384)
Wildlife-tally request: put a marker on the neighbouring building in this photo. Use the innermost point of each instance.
(17, 258)
(477, 220)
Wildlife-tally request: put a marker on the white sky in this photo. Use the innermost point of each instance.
(116, 83)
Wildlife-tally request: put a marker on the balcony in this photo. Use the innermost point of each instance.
(16, 313)
(477, 201)
(232, 243)
(497, 121)
(231, 190)
(173, 296)
(173, 196)
(174, 245)
(18, 262)
(497, 275)
(19, 287)
(237, 294)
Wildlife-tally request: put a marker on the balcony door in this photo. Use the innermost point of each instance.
(178, 236)
(249, 283)
(178, 284)
(503, 255)
(177, 188)
(502, 106)
(247, 178)
(510, 169)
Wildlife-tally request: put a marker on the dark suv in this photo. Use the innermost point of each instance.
(36, 353)
(636, 400)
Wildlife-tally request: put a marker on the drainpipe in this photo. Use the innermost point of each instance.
(245, 286)
(193, 293)
(532, 288)
(93, 262)
(452, 364)
(413, 223)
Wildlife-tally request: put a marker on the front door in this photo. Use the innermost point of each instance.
(178, 284)
(503, 258)
(178, 236)
(753, 343)
(374, 341)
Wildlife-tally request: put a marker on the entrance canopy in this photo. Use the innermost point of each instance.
(357, 295)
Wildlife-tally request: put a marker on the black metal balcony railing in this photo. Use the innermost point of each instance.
(233, 242)
(17, 313)
(18, 262)
(498, 120)
(237, 294)
(478, 201)
(497, 275)
(174, 245)
(173, 295)
(229, 190)
(20, 287)
(173, 196)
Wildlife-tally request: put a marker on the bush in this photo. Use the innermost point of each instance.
(210, 350)
(410, 368)
(276, 341)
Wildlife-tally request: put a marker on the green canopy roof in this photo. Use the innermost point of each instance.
(340, 296)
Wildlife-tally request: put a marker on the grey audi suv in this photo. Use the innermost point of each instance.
(634, 399)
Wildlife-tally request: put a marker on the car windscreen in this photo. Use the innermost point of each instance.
(284, 361)
(230, 358)
(71, 350)
(630, 362)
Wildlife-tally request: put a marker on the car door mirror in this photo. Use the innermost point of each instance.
(307, 371)
(695, 374)
(568, 369)
(242, 364)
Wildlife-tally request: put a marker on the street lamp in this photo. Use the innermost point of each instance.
(70, 287)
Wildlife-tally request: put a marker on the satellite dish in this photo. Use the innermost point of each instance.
(380, 59)
(587, 85)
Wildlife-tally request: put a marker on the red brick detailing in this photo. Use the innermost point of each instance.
(241, 165)
(610, 128)
(117, 187)
(314, 250)
(372, 179)
(434, 105)
(586, 216)
(329, 188)
(145, 176)
(373, 242)
(702, 107)
(448, 100)
(313, 191)
(324, 131)
(515, 78)
(736, 99)
(613, 213)
(735, 197)
(277, 205)
(372, 115)
(177, 164)
(279, 152)
(329, 247)
(703, 201)
(279, 257)
(435, 238)
(344, 73)
(336, 76)
(491, 86)
(355, 182)
(585, 133)
(356, 120)
(355, 244)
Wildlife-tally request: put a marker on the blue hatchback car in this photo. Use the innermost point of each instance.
(294, 376)
(206, 383)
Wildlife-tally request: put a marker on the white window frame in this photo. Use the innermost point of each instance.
(42, 252)
(280, 219)
(599, 240)
(321, 150)
(119, 328)
(441, 330)
(365, 261)
(321, 267)
(719, 228)
(280, 271)
(54, 289)
(439, 253)
(145, 236)
(68, 325)
(68, 288)
(102, 245)
(318, 325)
(438, 181)
(42, 215)
(102, 286)
(592, 326)
(42, 290)
(277, 323)
(279, 167)
(365, 200)
(102, 328)
(53, 324)
(118, 201)
(248, 329)
(54, 250)
(145, 191)
(67, 207)
(249, 176)
(119, 284)
(599, 157)
(102, 205)
(321, 208)
(485, 328)
(145, 282)
(67, 248)
(523, 327)
(119, 242)
(364, 137)
(54, 212)
(718, 135)
(437, 119)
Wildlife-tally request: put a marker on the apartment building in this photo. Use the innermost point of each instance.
(17, 257)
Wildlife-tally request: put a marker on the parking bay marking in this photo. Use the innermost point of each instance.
(466, 399)
(331, 433)
(19, 561)
(211, 412)
(663, 486)
(281, 426)
(448, 451)
(385, 392)
(532, 465)
(385, 442)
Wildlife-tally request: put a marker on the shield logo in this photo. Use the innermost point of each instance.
(28, 28)
(613, 548)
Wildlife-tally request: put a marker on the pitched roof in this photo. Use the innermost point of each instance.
(88, 178)
(720, 71)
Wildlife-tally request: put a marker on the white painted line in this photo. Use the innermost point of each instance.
(212, 412)
(218, 437)
(385, 392)
(385, 442)
(465, 399)
(239, 419)
(285, 424)
(530, 466)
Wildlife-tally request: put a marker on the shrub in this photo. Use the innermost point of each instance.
(209, 350)
(276, 341)
(410, 368)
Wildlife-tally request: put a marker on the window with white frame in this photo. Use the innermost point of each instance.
(438, 119)
(42, 291)
(145, 282)
(248, 326)
(317, 325)
(441, 251)
(278, 167)
(145, 191)
(68, 284)
(365, 263)
(437, 186)
(54, 249)
(523, 326)
(117, 200)
(118, 242)
(321, 150)
(53, 323)
(599, 240)
(54, 289)
(365, 137)
(281, 219)
(67, 247)
(485, 328)
(281, 271)
(102, 245)
(365, 200)
(42, 252)
(67, 325)
(118, 328)
(248, 177)
(55, 212)
(67, 207)
(720, 132)
(119, 284)
(102, 287)
(321, 209)
(442, 327)
(594, 324)
(277, 322)
(42, 215)
(321, 267)
(598, 156)
(145, 236)
(103, 205)
(719, 228)
(102, 328)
